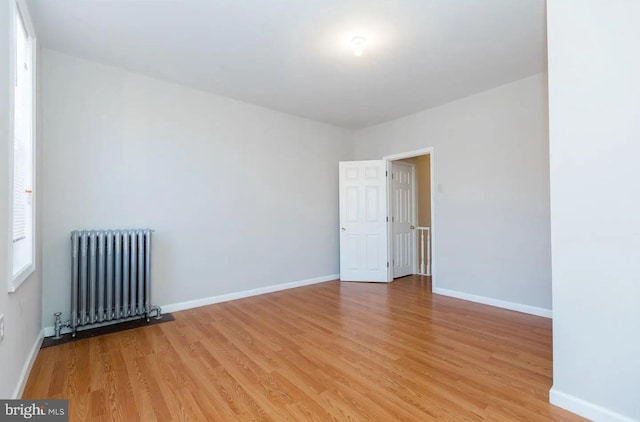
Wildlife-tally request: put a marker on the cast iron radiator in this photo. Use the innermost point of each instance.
(110, 277)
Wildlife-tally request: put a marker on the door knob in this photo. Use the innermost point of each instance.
(412, 227)
(343, 229)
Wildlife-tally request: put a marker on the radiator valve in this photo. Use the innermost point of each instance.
(58, 325)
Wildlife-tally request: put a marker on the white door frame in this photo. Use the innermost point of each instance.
(414, 212)
(399, 156)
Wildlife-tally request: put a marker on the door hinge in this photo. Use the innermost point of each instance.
(386, 173)
(387, 265)
(393, 219)
(387, 219)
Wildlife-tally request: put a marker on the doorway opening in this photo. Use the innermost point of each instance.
(386, 217)
(410, 207)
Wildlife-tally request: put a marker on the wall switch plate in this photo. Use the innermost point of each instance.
(1, 327)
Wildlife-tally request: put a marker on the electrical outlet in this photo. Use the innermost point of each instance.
(1, 327)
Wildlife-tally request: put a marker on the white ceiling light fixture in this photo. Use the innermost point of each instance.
(358, 45)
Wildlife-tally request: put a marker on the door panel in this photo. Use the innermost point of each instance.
(363, 221)
(402, 219)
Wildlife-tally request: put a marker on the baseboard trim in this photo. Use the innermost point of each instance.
(584, 408)
(26, 369)
(175, 307)
(181, 306)
(512, 306)
(50, 332)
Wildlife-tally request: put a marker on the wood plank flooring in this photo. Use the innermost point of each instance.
(331, 351)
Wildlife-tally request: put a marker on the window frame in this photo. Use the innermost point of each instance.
(15, 280)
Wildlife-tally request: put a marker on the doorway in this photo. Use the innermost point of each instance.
(421, 235)
(410, 209)
(370, 242)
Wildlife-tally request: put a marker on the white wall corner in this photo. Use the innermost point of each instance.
(512, 306)
(26, 369)
(584, 408)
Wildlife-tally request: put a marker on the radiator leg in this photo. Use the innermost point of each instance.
(157, 310)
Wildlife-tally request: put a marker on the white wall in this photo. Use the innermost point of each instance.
(594, 109)
(492, 214)
(22, 309)
(241, 197)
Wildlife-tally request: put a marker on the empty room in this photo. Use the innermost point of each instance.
(341, 210)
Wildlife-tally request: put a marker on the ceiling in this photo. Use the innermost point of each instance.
(294, 55)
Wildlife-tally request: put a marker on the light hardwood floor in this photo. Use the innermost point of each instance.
(331, 351)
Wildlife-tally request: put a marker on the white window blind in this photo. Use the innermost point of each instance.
(22, 162)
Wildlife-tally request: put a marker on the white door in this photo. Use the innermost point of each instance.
(363, 221)
(402, 219)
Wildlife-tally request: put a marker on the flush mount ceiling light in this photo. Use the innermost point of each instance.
(358, 45)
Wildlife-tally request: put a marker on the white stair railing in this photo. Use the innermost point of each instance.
(425, 250)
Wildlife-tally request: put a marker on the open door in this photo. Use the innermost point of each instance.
(403, 218)
(363, 221)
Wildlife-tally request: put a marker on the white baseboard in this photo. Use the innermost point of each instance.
(181, 306)
(26, 369)
(547, 313)
(584, 408)
(175, 307)
(50, 332)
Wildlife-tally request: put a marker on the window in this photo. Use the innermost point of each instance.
(23, 228)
